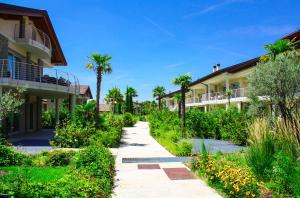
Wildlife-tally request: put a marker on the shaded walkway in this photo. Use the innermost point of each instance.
(146, 169)
(31, 143)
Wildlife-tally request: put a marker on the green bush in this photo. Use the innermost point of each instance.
(260, 157)
(285, 175)
(48, 119)
(220, 124)
(70, 135)
(9, 157)
(128, 120)
(184, 148)
(109, 138)
(200, 123)
(232, 178)
(97, 162)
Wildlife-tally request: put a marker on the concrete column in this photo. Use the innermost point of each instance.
(194, 95)
(39, 113)
(227, 84)
(205, 108)
(56, 101)
(208, 95)
(239, 106)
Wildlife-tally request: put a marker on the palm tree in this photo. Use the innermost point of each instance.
(278, 47)
(183, 81)
(101, 65)
(130, 94)
(159, 92)
(177, 97)
(114, 97)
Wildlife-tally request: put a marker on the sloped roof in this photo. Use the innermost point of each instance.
(84, 89)
(42, 21)
(240, 66)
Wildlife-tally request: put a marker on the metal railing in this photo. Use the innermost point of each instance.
(235, 93)
(33, 35)
(193, 100)
(19, 71)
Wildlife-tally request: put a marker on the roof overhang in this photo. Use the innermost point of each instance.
(42, 21)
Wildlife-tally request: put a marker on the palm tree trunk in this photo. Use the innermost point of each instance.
(179, 108)
(99, 79)
(183, 124)
(159, 104)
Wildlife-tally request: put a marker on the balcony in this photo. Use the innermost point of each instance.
(30, 76)
(218, 97)
(34, 40)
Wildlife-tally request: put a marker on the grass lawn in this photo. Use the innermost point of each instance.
(35, 174)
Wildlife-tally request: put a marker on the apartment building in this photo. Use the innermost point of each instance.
(211, 91)
(30, 54)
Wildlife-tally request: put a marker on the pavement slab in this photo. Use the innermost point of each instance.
(136, 179)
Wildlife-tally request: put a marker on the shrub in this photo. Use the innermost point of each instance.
(70, 135)
(200, 123)
(184, 148)
(9, 157)
(234, 180)
(285, 175)
(128, 120)
(109, 138)
(97, 162)
(48, 119)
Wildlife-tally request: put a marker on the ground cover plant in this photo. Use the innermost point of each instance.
(228, 173)
(165, 128)
(85, 173)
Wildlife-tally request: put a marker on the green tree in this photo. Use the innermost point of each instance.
(183, 81)
(115, 98)
(159, 92)
(129, 95)
(177, 97)
(277, 80)
(10, 103)
(101, 65)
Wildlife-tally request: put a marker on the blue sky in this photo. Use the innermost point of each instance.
(152, 42)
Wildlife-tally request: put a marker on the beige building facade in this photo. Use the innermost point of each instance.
(223, 86)
(29, 57)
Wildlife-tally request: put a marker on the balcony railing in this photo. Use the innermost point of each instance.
(21, 73)
(235, 93)
(33, 36)
(193, 100)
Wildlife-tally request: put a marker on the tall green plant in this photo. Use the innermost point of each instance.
(115, 98)
(159, 92)
(101, 65)
(183, 81)
(177, 98)
(129, 95)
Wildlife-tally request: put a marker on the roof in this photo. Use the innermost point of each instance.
(240, 66)
(84, 89)
(104, 107)
(42, 21)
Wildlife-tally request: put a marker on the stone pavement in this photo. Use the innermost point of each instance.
(161, 179)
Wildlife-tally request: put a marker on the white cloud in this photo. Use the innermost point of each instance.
(174, 65)
(213, 7)
(159, 27)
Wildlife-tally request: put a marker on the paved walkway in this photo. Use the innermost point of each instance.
(153, 180)
(31, 143)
